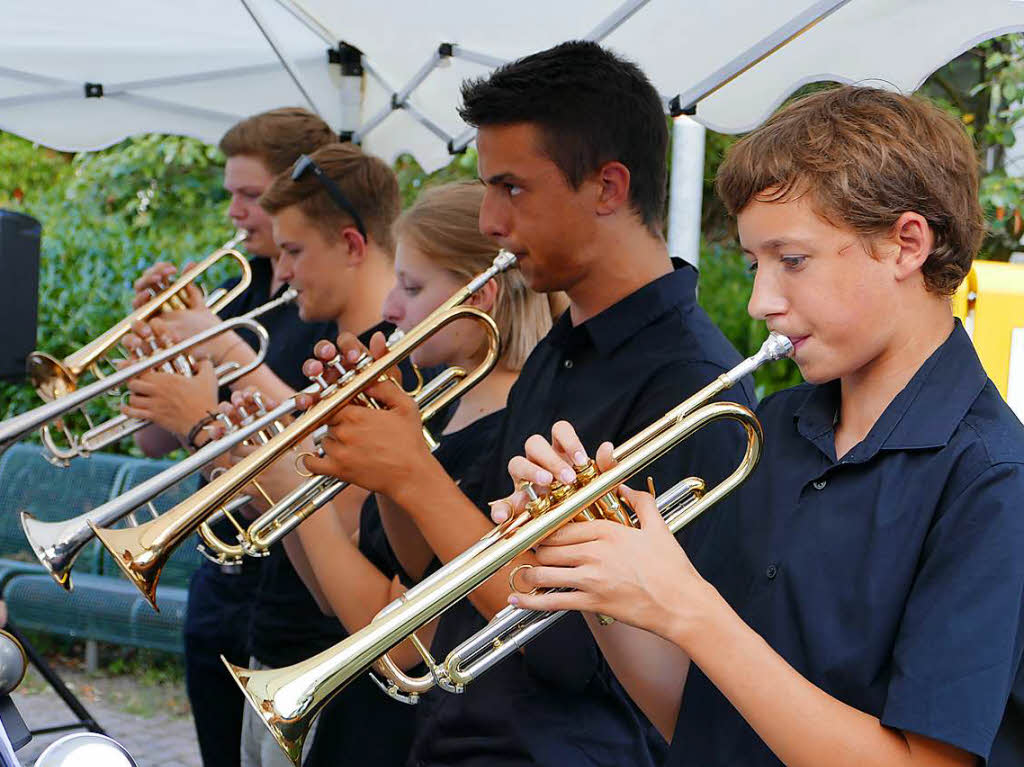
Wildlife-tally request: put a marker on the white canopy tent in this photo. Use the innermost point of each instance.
(78, 76)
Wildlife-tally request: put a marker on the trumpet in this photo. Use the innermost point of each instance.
(288, 699)
(316, 492)
(54, 379)
(142, 551)
(57, 544)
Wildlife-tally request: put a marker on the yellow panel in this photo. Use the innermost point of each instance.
(991, 304)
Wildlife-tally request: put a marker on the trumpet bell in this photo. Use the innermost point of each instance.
(142, 568)
(45, 540)
(50, 377)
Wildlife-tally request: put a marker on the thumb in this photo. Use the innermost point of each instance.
(643, 506)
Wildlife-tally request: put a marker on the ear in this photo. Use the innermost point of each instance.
(613, 178)
(354, 245)
(485, 298)
(914, 241)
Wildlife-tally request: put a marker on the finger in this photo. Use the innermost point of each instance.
(350, 348)
(576, 533)
(565, 440)
(136, 412)
(605, 457)
(143, 386)
(194, 296)
(389, 396)
(522, 469)
(569, 555)
(541, 453)
(378, 345)
(552, 601)
(548, 577)
(305, 401)
(500, 510)
(644, 507)
(325, 350)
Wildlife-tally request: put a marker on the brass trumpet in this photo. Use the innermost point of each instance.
(288, 699)
(316, 492)
(54, 379)
(142, 551)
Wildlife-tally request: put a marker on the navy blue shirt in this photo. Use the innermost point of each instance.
(219, 601)
(892, 578)
(558, 703)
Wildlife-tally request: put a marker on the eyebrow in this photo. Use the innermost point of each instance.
(500, 178)
(777, 243)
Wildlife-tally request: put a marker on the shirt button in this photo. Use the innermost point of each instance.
(820, 484)
(771, 572)
(567, 364)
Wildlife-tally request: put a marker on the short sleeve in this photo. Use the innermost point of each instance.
(959, 644)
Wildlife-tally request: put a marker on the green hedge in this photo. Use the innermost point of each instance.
(107, 215)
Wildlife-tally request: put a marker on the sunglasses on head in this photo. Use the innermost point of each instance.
(304, 163)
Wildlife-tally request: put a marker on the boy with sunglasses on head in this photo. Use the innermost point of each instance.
(859, 600)
(332, 215)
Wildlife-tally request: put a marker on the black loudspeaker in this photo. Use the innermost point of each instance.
(19, 290)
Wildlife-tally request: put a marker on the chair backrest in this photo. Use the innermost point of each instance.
(29, 483)
(185, 558)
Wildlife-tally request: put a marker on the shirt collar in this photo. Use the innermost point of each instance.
(623, 320)
(924, 415)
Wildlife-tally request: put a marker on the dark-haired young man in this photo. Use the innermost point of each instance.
(572, 145)
(217, 621)
(859, 600)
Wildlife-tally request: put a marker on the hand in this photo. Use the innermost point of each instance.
(281, 476)
(543, 462)
(377, 449)
(172, 401)
(348, 350)
(638, 576)
(158, 277)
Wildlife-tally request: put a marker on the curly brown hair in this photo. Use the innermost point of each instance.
(866, 156)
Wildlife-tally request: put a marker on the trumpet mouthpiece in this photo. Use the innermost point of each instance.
(776, 346)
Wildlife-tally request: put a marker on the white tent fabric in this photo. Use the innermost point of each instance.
(196, 66)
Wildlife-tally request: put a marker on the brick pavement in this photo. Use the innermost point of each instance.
(161, 740)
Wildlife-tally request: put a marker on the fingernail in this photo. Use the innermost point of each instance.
(580, 457)
(352, 355)
(543, 477)
(499, 511)
(568, 476)
(513, 599)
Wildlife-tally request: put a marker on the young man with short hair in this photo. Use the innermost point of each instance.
(572, 144)
(217, 621)
(859, 600)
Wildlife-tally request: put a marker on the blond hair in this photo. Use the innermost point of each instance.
(443, 225)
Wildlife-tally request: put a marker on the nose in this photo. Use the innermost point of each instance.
(236, 209)
(766, 298)
(493, 220)
(283, 267)
(391, 311)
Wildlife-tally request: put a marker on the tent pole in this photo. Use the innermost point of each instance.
(276, 48)
(686, 189)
